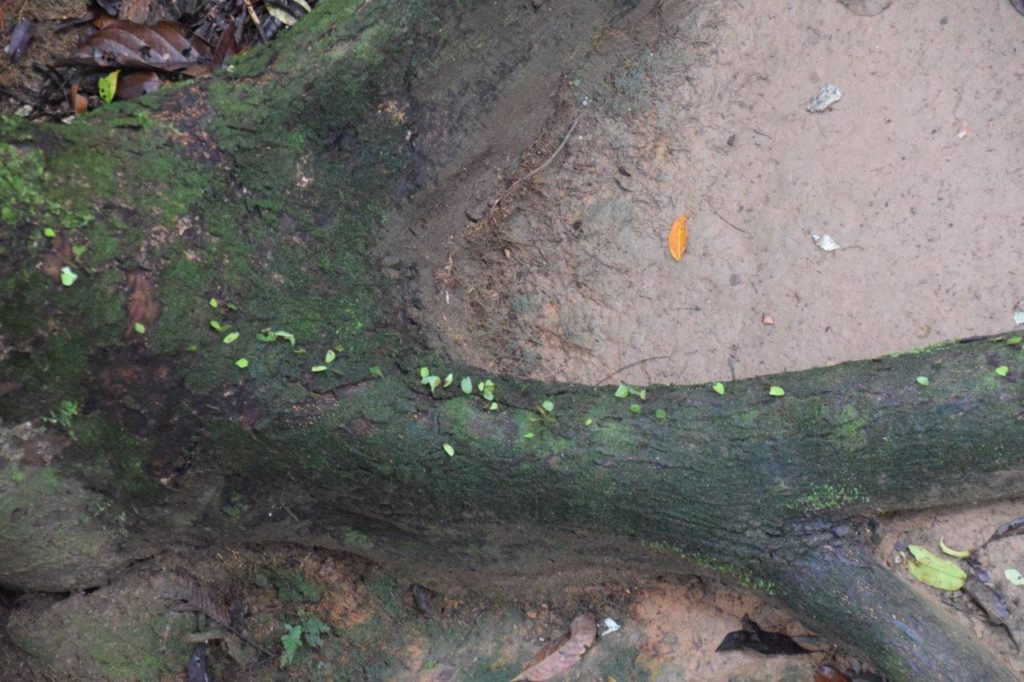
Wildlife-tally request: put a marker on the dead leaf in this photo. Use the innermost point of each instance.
(754, 638)
(1008, 529)
(563, 653)
(192, 596)
(995, 607)
(677, 238)
(161, 47)
(142, 304)
(79, 103)
(19, 40)
(137, 84)
(136, 11)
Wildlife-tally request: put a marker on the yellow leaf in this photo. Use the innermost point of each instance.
(958, 553)
(677, 238)
(107, 86)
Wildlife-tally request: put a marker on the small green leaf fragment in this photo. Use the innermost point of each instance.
(466, 385)
(17, 475)
(622, 391)
(318, 368)
(375, 372)
(588, 421)
(718, 387)
(433, 382)
(232, 337)
(139, 328)
(290, 338)
(217, 326)
(777, 391)
(329, 356)
(528, 435)
(448, 450)
(493, 406)
(958, 553)
(923, 380)
(193, 348)
(1014, 577)
(67, 276)
(79, 250)
(1014, 340)
(548, 406)
(643, 394)
(214, 303)
(231, 306)
(634, 408)
(449, 379)
(241, 363)
(424, 372)
(49, 232)
(1002, 370)
(660, 413)
(107, 86)
(940, 573)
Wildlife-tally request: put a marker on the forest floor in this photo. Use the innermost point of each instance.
(680, 109)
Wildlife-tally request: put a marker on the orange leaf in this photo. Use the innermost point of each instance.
(677, 238)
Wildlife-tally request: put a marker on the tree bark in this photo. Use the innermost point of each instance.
(259, 192)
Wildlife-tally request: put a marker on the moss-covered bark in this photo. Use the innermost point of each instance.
(248, 203)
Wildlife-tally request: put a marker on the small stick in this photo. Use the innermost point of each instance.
(631, 366)
(255, 19)
(715, 211)
(538, 169)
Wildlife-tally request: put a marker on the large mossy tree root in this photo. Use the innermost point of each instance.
(842, 593)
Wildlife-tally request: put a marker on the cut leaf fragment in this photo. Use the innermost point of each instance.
(718, 387)
(937, 572)
(466, 385)
(923, 381)
(958, 553)
(67, 276)
(563, 653)
(677, 237)
(1014, 577)
(448, 449)
(107, 86)
(777, 391)
(1002, 370)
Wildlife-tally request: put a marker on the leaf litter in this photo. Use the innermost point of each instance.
(563, 653)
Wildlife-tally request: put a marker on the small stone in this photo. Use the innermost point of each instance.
(767, 319)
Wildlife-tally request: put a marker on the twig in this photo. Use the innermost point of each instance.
(255, 19)
(511, 188)
(715, 211)
(631, 366)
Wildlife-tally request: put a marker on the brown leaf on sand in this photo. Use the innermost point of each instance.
(562, 653)
(142, 305)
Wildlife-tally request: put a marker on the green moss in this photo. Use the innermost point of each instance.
(829, 496)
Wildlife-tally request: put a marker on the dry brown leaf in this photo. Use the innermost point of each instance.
(677, 238)
(143, 306)
(193, 596)
(161, 47)
(137, 84)
(79, 103)
(563, 653)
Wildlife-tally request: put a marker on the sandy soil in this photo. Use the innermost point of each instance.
(915, 173)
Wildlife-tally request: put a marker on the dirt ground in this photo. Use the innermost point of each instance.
(684, 108)
(915, 173)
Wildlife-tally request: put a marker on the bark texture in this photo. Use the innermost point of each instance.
(261, 189)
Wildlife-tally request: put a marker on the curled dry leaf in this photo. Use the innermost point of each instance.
(161, 47)
(79, 103)
(562, 653)
(677, 238)
(137, 84)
